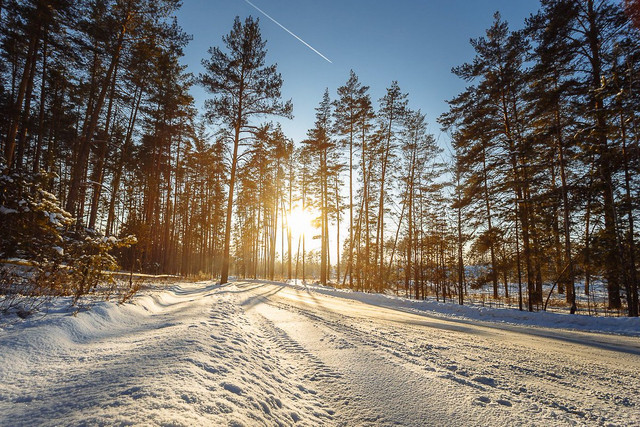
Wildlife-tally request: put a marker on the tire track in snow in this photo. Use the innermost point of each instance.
(371, 388)
(545, 384)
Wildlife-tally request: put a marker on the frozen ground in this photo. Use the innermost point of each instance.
(257, 353)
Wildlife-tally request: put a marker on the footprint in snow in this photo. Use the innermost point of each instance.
(481, 401)
(265, 408)
(188, 399)
(504, 402)
(232, 388)
(485, 380)
(306, 390)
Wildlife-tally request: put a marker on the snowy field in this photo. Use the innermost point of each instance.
(259, 353)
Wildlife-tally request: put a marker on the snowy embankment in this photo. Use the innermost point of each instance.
(178, 357)
(612, 325)
(268, 353)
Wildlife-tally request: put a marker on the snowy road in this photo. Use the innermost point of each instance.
(254, 353)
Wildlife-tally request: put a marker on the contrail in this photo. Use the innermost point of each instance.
(287, 30)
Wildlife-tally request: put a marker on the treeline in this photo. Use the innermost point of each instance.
(385, 154)
(546, 151)
(93, 95)
(541, 187)
(368, 171)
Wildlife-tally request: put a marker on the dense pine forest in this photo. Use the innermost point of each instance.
(107, 161)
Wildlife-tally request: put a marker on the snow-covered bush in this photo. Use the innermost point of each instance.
(42, 253)
(88, 255)
(32, 219)
(31, 241)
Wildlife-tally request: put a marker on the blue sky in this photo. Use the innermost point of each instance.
(415, 42)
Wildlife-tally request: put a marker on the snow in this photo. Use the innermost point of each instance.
(269, 353)
(54, 218)
(617, 325)
(6, 211)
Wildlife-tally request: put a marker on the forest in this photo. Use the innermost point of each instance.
(108, 163)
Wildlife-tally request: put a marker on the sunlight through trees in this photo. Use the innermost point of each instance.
(537, 194)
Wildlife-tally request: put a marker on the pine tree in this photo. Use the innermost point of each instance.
(390, 116)
(418, 150)
(244, 87)
(349, 107)
(321, 146)
(552, 86)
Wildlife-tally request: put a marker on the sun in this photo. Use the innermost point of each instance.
(300, 222)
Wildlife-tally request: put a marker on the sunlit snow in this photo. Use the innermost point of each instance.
(268, 353)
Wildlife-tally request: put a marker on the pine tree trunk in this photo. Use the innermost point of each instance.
(323, 214)
(80, 166)
(97, 175)
(570, 279)
(26, 118)
(350, 266)
(487, 200)
(366, 274)
(224, 273)
(337, 230)
(631, 282)
(43, 97)
(609, 235)
(126, 147)
(274, 226)
(290, 249)
(380, 226)
(587, 238)
(26, 80)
